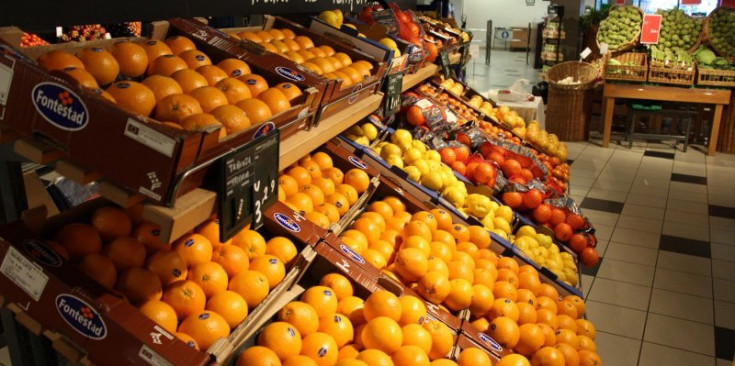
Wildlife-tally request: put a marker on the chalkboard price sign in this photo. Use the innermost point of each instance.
(392, 101)
(247, 184)
(444, 60)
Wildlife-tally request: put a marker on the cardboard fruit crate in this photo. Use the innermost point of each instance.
(175, 160)
(470, 337)
(48, 293)
(337, 96)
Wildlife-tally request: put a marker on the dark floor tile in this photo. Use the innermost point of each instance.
(724, 343)
(659, 154)
(685, 246)
(722, 211)
(591, 271)
(688, 178)
(602, 205)
(570, 161)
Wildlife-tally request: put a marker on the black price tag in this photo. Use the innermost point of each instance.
(444, 60)
(248, 184)
(392, 90)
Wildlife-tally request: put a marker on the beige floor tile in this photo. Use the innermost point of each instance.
(647, 199)
(631, 209)
(657, 355)
(640, 224)
(723, 270)
(696, 232)
(723, 252)
(725, 314)
(682, 306)
(616, 319)
(682, 334)
(686, 283)
(634, 237)
(684, 263)
(724, 290)
(615, 350)
(631, 253)
(628, 272)
(620, 293)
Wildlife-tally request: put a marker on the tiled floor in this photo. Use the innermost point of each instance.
(664, 292)
(505, 68)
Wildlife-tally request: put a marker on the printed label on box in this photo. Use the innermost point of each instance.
(151, 357)
(147, 136)
(24, 273)
(6, 77)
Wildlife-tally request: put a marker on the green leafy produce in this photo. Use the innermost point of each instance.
(672, 58)
(678, 29)
(722, 31)
(704, 55)
(620, 27)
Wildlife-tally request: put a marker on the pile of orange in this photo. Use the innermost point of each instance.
(329, 325)
(322, 60)
(197, 288)
(319, 191)
(451, 265)
(179, 85)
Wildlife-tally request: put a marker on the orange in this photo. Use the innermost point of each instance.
(59, 60)
(316, 194)
(288, 183)
(507, 275)
(352, 307)
(189, 80)
(349, 191)
(290, 91)
(100, 63)
(586, 343)
(100, 269)
(251, 241)
(377, 219)
(488, 255)
(280, 46)
(325, 185)
(155, 49)
(256, 110)
(342, 57)
(442, 339)
(210, 276)
(179, 44)
(302, 202)
(82, 76)
(382, 303)
(546, 316)
(531, 339)
(445, 238)
(479, 236)
(505, 331)
(543, 302)
(162, 86)
(473, 356)
(205, 327)
(460, 294)
(132, 58)
(526, 313)
(354, 75)
(460, 232)
(275, 99)
(264, 35)
(292, 45)
(281, 337)
(177, 107)
(374, 257)
(185, 297)
(340, 284)
(382, 333)
(482, 324)
(232, 118)
(209, 97)
(358, 179)
(329, 51)
(381, 208)
(567, 322)
(529, 281)
(548, 291)
(256, 83)
(277, 34)
(166, 65)
(375, 357)
(234, 67)
(282, 248)
(548, 356)
(482, 300)
(436, 264)
(484, 276)
(79, 239)
(134, 97)
(567, 308)
(368, 227)
(312, 67)
(250, 36)
(212, 73)
(549, 335)
(504, 307)
(168, 265)
(195, 58)
(411, 264)
(505, 289)
(139, 285)
(271, 267)
(410, 355)
(322, 299)
(258, 356)
(339, 201)
(301, 174)
(251, 285)
(418, 228)
(233, 259)
(338, 327)
(301, 315)
(125, 253)
(234, 89)
(396, 204)
(358, 236)
(304, 41)
(441, 217)
(568, 337)
(187, 339)
(458, 269)
(416, 335)
(336, 63)
(270, 48)
(161, 313)
(586, 328)
(578, 303)
(194, 249)
(299, 360)
(321, 348)
(111, 222)
(571, 356)
(230, 305)
(413, 310)
(513, 360)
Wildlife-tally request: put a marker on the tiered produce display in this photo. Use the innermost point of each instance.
(441, 234)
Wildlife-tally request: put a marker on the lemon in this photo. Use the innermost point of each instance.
(418, 145)
(487, 222)
(413, 173)
(362, 140)
(330, 18)
(545, 240)
(370, 131)
(526, 230)
(390, 149)
(501, 224)
(478, 205)
(433, 155)
(422, 165)
(433, 165)
(454, 196)
(500, 233)
(401, 136)
(505, 212)
(432, 180)
(389, 43)
(394, 160)
(411, 155)
(355, 130)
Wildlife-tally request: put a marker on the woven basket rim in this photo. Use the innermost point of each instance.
(630, 44)
(707, 35)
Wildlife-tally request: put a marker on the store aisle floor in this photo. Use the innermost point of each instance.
(664, 290)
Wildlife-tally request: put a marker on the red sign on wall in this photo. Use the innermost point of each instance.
(728, 3)
(620, 2)
(691, 2)
(650, 29)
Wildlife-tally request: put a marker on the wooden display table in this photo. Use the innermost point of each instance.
(718, 97)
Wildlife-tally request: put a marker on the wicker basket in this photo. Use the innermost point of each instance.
(663, 75)
(714, 77)
(726, 138)
(707, 34)
(568, 112)
(631, 43)
(583, 72)
(637, 72)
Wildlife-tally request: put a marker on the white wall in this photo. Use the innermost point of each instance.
(504, 13)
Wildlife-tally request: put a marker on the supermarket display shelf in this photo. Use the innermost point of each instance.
(411, 80)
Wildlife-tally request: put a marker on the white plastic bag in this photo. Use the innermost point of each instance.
(516, 93)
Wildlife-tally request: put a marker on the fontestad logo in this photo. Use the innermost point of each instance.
(488, 340)
(350, 253)
(286, 222)
(357, 162)
(287, 73)
(42, 253)
(81, 316)
(60, 106)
